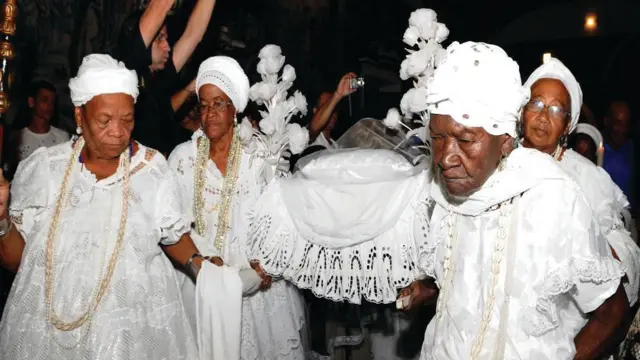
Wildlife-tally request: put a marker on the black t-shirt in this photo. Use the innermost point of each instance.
(154, 120)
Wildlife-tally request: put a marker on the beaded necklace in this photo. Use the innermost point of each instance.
(228, 187)
(100, 290)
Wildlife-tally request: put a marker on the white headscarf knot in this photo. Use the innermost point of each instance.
(555, 69)
(226, 74)
(101, 74)
(478, 85)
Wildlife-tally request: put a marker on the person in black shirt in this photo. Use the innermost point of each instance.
(143, 46)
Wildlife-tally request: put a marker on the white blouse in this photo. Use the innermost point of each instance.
(607, 201)
(271, 319)
(142, 314)
(558, 264)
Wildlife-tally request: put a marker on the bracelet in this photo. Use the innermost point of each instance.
(190, 267)
(5, 226)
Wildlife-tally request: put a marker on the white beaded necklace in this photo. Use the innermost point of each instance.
(449, 269)
(228, 188)
(100, 290)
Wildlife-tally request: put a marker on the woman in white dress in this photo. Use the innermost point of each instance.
(219, 182)
(88, 227)
(548, 118)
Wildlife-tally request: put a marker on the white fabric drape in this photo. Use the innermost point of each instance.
(219, 309)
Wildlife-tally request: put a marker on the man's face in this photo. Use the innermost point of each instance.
(620, 123)
(43, 105)
(160, 50)
(464, 157)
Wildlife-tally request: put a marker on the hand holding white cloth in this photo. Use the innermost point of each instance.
(218, 312)
(250, 281)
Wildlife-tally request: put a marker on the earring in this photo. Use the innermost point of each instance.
(503, 163)
(235, 120)
(79, 130)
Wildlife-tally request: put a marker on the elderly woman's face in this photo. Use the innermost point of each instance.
(465, 157)
(107, 122)
(546, 116)
(216, 112)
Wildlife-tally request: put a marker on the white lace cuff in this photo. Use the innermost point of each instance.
(589, 281)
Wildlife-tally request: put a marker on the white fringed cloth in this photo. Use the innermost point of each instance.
(345, 225)
(218, 312)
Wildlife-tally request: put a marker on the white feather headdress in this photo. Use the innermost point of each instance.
(427, 34)
(276, 133)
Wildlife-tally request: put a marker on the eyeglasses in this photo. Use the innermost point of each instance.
(217, 106)
(554, 112)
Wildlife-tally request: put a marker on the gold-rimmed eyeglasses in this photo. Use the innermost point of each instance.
(554, 112)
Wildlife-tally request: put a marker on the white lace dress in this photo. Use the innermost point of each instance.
(141, 316)
(272, 320)
(545, 255)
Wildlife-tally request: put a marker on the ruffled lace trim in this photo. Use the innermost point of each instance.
(543, 317)
(373, 270)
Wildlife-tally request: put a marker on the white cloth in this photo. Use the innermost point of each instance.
(478, 85)
(271, 319)
(30, 141)
(219, 308)
(607, 201)
(324, 142)
(343, 225)
(141, 315)
(563, 266)
(555, 69)
(226, 74)
(101, 74)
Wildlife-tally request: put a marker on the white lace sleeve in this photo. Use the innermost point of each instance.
(581, 265)
(169, 213)
(30, 192)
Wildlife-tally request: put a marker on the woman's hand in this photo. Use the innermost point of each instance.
(266, 279)
(420, 292)
(216, 260)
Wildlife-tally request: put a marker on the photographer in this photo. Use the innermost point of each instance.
(324, 113)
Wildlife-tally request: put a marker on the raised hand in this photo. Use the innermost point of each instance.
(344, 86)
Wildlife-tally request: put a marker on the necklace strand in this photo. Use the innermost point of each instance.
(50, 264)
(228, 188)
(449, 269)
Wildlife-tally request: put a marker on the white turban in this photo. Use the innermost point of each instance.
(478, 85)
(101, 74)
(555, 69)
(226, 74)
(590, 131)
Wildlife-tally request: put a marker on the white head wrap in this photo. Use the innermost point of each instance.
(478, 85)
(594, 134)
(555, 69)
(101, 74)
(226, 74)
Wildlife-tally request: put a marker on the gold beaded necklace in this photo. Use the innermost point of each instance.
(228, 187)
(125, 160)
